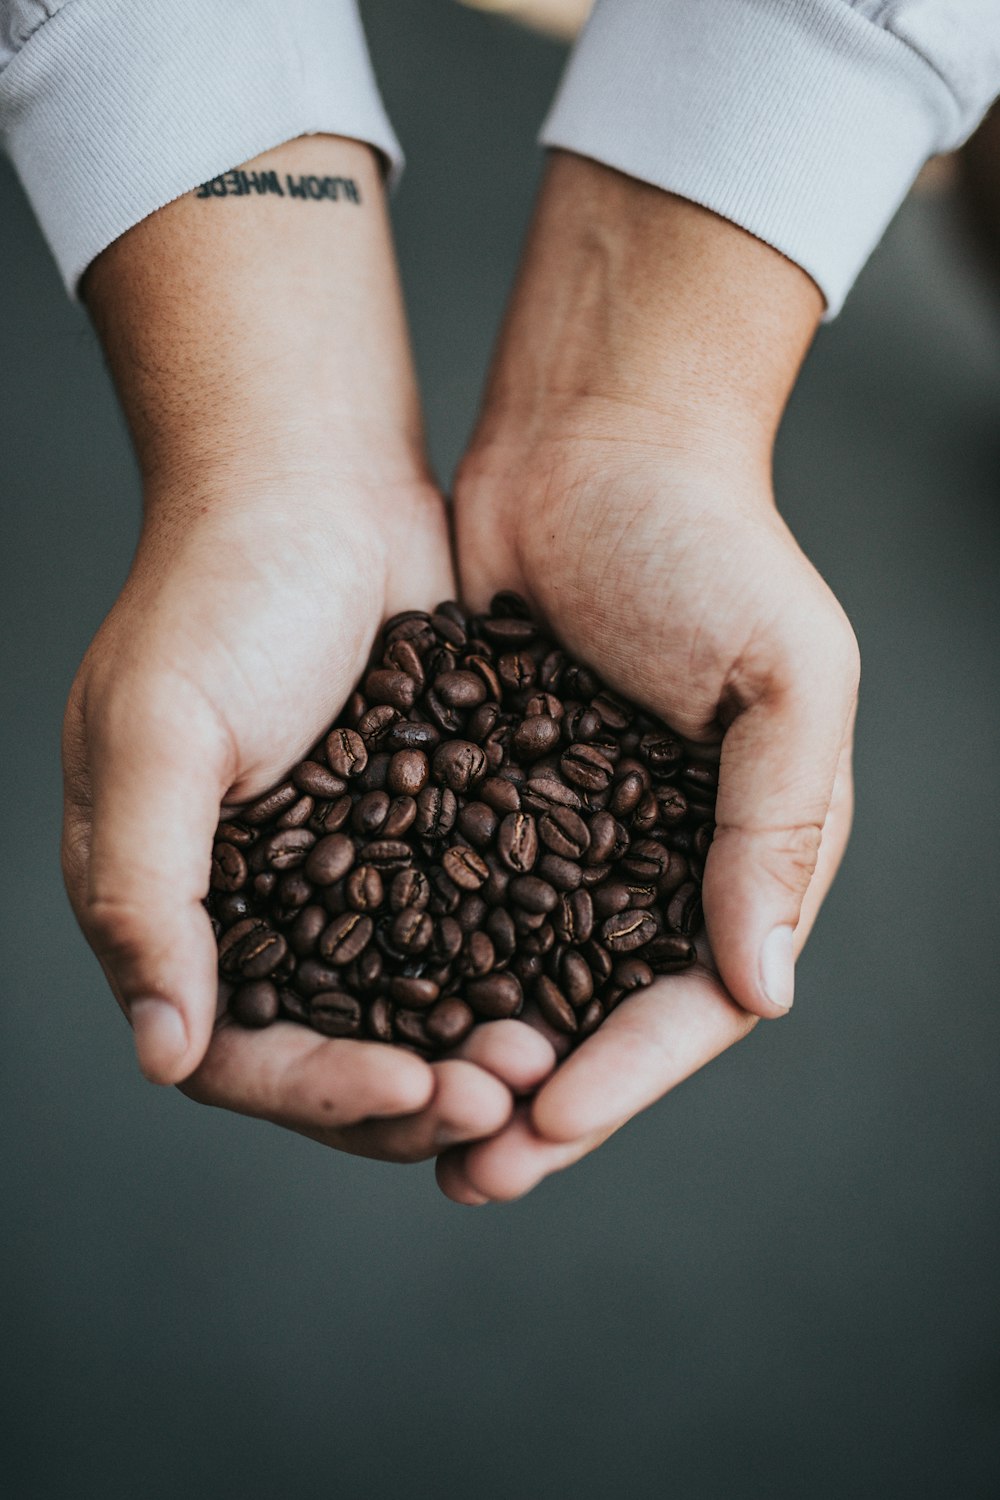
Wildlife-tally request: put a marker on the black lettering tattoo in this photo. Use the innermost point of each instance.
(238, 184)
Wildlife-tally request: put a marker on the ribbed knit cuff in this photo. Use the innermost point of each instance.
(113, 108)
(803, 123)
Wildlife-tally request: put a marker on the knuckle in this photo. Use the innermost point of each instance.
(791, 853)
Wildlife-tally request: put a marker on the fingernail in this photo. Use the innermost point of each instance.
(777, 967)
(160, 1036)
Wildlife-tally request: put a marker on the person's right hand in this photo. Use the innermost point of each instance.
(287, 513)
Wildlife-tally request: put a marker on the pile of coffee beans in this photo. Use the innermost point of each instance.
(486, 827)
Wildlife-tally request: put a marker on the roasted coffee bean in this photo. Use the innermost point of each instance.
(459, 765)
(334, 1013)
(437, 809)
(403, 656)
(609, 839)
(293, 891)
(346, 753)
(564, 874)
(628, 930)
(575, 977)
(586, 767)
(551, 670)
(234, 833)
(632, 973)
(372, 778)
(674, 876)
(672, 806)
(408, 734)
(590, 1018)
(409, 888)
(388, 685)
(496, 997)
(502, 933)
(599, 959)
(506, 631)
(477, 956)
(554, 1006)
(661, 751)
(701, 783)
(580, 724)
(408, 773)
(410, 625)
(369, 969)
(669, 953)
(626, 794)
(230, 942)
(532, 893)
(647, 859)
(449, 1022)
(449, 630)
(400, 818)
(287, 848)
(535, 737)
(544, 703)
(447, 720)
(364, 889)
(411, 930)
(573, 918)
(330, 859)
(255, 1004)
(446, 942)
(684, 908)
(304, 933)
(466, 867)
(580, 682)
(229, 868)
(410, 1028)
(377, 725)
(611, 897)
(370, 813)
(517, 842)
(345, 938)
(260, 954)
(445, 894)
(542, 940)
(471, 912)
(415, 993)
(386, 854)
(298, 814)
(231, 907)
(501, 795)
(313, 975)
(526, 967)
(309, 776)
(270, 805)
(478, 823)
(329, 817)
(460, 689)
(564, 832)
(378, 1019)
(542, 793)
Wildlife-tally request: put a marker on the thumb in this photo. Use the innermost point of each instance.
(779, 762)
(156, 769)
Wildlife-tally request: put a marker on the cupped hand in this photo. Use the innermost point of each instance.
(242, 628)
(673, 576)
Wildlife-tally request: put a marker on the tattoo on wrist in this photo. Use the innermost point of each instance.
(238, 184)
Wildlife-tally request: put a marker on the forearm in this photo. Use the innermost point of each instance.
(648, 312)
(264, 332)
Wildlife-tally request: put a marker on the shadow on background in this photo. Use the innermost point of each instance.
(781, 1281)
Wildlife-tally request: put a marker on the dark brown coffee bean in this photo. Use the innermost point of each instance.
(672, 806)
(364, 889)
(575, 978)
(701, 783)
(437, 809)
(447, 940)
(449, 630)
(478, 823)
(461, 690)
(610, 898)
(573, 919)
(293, 890)
(460, 765)
(615, 714)
(608, 839)
(684, 908)
(542, 940)
(478, 956)
(445, 894)
(260, 954)
(410, 625)
(590, 1018)
(386, 854)
(410, 1029)
(554, 1006)
(415, 993)
(628, 930)
(661, 752)
(544, 703)
(370, 813)
(255, 1004)
(533, 894)
(564, 874)
(447, 720)
(400, 817)
(516, 671)
(669, 953)
(486, 672)
(580, 724)
(354, 708)
(304, 933)
(331, 816)
(626, 794)
(229, 868)
(298, 814)
(313, 975)
(234, 833)
(527, 921)
(230, 942)
(408, 773)
(551, 670)
(466, 867)
(287, 848)
(346, 752)
(409, 888)
(330, 859)
(535, 737)
(496, 997)
(580, 682)
(309, 776)
(502, 933)
(564, 832)
(264, 884)
(542, 793)
(449, 1022)
(271, 804)
(517, 842)
(526, 967)
(647, 858)
(586, 767)
(471, 912)
(402, 656)
(506, 632)
(346, 938)
(411, 930)
(333, 1013)
(500, 794)
(378, 1019)
(674, 876)
(231, 906)
(377, 724)
(372, 778)
(387, 685)
(632, 973)
(702, 841)
(408, 734)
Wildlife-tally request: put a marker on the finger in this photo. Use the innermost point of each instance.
(157, 763)
(509, 1165)
(650, 1043)
(292, 1076)
(517, 1054)
(836, 831)
(467, 1104)
(779, 759)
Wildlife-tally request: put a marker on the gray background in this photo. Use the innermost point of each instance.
(782, 1280)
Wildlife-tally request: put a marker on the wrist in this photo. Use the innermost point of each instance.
(639, 317)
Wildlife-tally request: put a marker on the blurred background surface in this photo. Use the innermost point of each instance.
(782, 1280)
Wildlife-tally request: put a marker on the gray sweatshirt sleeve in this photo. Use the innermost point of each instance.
(111, 108)
(804, 121)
